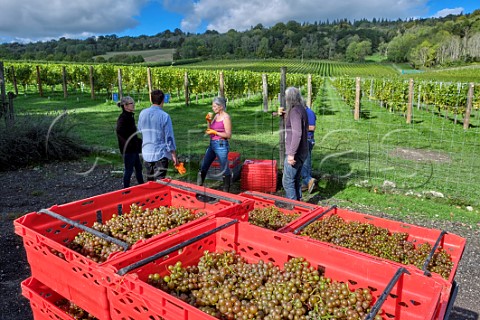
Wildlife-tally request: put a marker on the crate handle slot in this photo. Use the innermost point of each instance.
(181, 245)
(99, 216)
(99, 234)
(376, 307)
(306, 224)
(430, 255)
(207, 196)
(206, 199)
(264, 196)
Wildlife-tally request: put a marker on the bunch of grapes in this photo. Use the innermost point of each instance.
(226, 286)
(270, 217)
(136, 225)
(379, 242)
(73, 310)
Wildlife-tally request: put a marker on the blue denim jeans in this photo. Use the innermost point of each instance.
(217, 149)
(132, 161)
(291, 180)
(307, 165)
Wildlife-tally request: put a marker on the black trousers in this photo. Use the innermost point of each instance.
(157, 169)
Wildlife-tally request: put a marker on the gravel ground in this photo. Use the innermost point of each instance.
(32, 189)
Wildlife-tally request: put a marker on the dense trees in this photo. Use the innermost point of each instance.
(422, 43)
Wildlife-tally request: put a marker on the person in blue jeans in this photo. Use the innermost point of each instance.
(308, 182)
(220, 130)
(296, 147)
(129, 143)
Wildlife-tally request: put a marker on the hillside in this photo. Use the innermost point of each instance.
(424, 43)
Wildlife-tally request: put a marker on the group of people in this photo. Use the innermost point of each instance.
(157, 144)
(158, 147)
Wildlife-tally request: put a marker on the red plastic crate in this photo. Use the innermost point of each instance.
(413, 297)
(76, 277)
(286, 206)
(453, 244)
(233, 160)
(43, 301)
(215, 172)
(259, 175)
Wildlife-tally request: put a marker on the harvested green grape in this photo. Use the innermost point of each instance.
(379, 242)
(130, 227)
(73, 310)
(226, 286)
(271, 218)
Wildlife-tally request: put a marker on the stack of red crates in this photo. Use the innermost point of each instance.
(215, 173)
(259, 175)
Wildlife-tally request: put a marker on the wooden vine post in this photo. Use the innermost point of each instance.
(3, 95)
(468, 111)
(92, 83)
(14, 77)
(356, 114)
(64, 82)
(221, 91)
(185, 84)
(309, 91)
(149, 82)
(265, 92)
(120, 81)
(6, 107)
(39, 82)
(410, 102)
(281, 123)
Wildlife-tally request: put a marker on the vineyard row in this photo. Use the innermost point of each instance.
(136, 79)
(458, 99)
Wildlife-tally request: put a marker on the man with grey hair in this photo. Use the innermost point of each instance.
(296, 145)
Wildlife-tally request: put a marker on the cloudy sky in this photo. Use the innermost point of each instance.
(40, 20)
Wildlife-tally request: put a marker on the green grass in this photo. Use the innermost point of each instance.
(347, 151)
(401, 206)
(376, 58)
(157, 55)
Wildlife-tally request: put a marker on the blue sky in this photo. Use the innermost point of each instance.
(40, 20)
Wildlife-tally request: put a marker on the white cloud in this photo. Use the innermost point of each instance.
(446, 12)
(243, 14)
(38, 19)
(25, 20)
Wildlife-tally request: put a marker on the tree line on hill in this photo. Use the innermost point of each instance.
(451, 40)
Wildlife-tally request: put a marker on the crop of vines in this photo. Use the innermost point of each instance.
(315, 67)
(443, 97)
(169, 79)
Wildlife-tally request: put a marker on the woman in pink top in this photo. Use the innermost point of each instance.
(220, 130)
